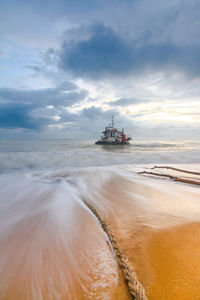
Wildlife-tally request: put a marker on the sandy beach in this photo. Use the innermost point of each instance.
(162, 240)
(99, 150)
(52, 246)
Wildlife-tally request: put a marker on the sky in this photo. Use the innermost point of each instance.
(68, 66)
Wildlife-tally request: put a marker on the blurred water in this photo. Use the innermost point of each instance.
(51, 245)
(16, 155)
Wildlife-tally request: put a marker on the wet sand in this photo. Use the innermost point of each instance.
(52, 247)
(162, 243)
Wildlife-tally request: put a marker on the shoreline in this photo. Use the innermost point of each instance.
(164, 246)
(65, 252)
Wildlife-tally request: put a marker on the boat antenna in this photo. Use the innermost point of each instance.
(112, 121)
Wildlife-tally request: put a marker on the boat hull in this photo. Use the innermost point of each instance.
(111, 143)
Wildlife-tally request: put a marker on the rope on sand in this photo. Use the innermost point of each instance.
(134, 286)
(172, 177)
(176, 169)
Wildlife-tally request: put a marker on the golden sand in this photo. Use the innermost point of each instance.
(66, 255)
(166, 257)
(174, 257)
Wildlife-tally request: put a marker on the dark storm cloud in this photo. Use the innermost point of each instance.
(103, 52)
(17, 116)
(50, 96)
(106, 53)
(29, 108)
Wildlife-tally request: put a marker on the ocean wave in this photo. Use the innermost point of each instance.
(47, 155)
(51, 243)
(59, 248)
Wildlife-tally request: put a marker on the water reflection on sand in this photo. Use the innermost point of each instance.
(52, 247)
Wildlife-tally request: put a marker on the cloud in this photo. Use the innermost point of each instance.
(33, 109)
(126, 102)
(66, 94)
(103, 52)
(125, 50)
(91, 121)
(16, 116)
(106, 53)
(94, 113)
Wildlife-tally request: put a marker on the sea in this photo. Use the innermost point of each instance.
(32, 155)
(53, 247)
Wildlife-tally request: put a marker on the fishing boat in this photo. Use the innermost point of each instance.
(113, 136)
